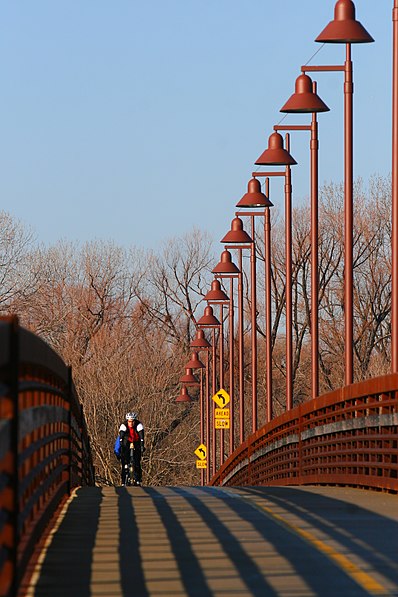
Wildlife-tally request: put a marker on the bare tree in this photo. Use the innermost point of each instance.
(18, 276)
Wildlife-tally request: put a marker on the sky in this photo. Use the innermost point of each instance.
(135, 122)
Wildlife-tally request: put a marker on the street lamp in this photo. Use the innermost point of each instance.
(225, 268)
(218, 297)
(255, 198)
(306, 100)
(195, 363)
(276, 155)
(345, 29)
(394, 193)
(238, 238)
(208, 320)
(200, 343)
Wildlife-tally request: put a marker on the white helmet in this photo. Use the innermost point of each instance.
(131, 416)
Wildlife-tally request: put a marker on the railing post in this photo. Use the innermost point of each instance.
(13, 386)
(70, 468)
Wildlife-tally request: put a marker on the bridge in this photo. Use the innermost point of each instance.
(304, 505)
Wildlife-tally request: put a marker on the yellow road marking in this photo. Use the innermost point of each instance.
(366, 581)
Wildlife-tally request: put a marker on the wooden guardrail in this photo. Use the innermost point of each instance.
(346, 437)
(44, 447)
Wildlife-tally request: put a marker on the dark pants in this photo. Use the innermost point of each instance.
(136, 458)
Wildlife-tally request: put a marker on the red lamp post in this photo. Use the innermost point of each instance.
(218, 297)
(238, 239)
(195, 363)
(276, 155)
(306, 100)
(253, 199)
(345, 29)
(208, 320)
(200, 343)
(227, 269)
(394, 192)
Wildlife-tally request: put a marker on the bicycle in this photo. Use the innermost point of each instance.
(129, 480)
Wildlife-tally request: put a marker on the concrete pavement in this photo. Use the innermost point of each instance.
(200, 542)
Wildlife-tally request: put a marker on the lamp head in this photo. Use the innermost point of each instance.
(189, 379)
(237, 235)
(194, 362)
(226, 265)
(200, 341)
(209, 319)
(254, 197)
(184, 396)
(344, 29)
(275, 155)
(304, 99)
(216, 293)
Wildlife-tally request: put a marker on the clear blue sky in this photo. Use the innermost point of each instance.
(135, 121)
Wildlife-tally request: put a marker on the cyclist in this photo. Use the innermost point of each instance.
(132, 432)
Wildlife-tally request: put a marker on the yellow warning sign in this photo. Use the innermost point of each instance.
(221, 413)
(201, 464)
(221, 423)
(221, 398)
(201, 452)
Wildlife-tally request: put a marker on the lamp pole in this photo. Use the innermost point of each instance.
(199, 343)
(268, 304)
(227, 269)
(238, 239)
(254, 198)
(208, 320)
(345, 29)
(218, 297)
(394, 191)
(306, 100)
(276, 155)
(195, 363)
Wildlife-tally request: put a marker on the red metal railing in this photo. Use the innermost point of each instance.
(44, 448)
(345, 437)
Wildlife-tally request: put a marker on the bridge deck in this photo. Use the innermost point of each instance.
(197, 541)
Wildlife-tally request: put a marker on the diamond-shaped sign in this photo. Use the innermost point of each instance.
(201, 452)
(221, 398)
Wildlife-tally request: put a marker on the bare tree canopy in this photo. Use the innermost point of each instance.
(123, 318)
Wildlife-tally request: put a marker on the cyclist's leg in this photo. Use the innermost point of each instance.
(137, 466)
(124, 470)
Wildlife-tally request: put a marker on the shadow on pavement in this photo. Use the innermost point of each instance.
(71, 553)
(370, 535)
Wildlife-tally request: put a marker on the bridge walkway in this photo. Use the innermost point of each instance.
(205, 541)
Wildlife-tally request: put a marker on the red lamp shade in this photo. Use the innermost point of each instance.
(216, 293)
(200, 341)
(226, 265)
(344, 28)
(304, 99)
(189, 379)
(237, 235)
(275, 155)
(209, 319)
(194, 362)
(184, 396)
(254, 197)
